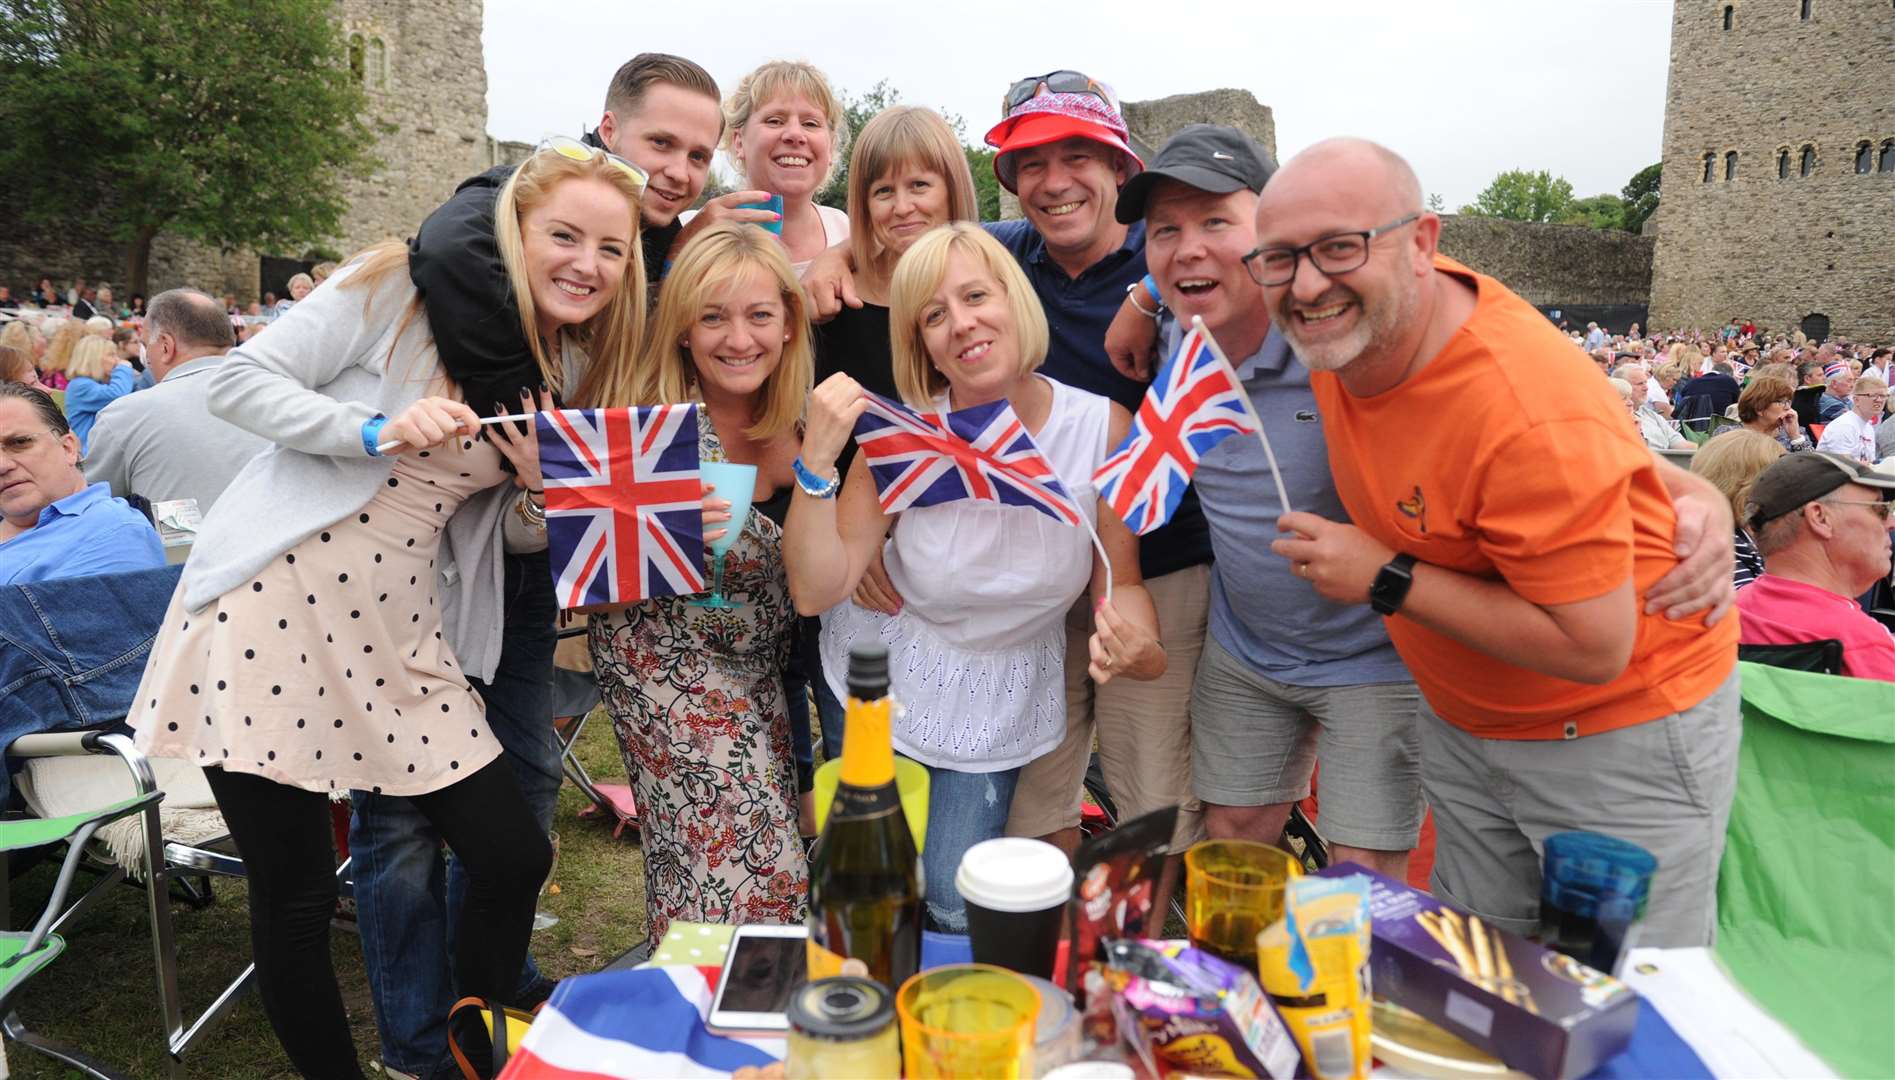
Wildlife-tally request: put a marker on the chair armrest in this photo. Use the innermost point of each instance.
(55, 744)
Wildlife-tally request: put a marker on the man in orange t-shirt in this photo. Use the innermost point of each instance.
(1508, 524)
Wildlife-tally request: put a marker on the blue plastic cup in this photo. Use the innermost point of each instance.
(1592, 889)
(774, 204)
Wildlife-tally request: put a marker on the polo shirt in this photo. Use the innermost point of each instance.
(1775, 610)
(1261, 612)
(1078, 311)
(84, 534)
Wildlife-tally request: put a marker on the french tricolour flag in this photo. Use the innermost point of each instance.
(633, 1025)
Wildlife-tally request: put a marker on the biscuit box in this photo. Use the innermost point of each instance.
(1534, 1009)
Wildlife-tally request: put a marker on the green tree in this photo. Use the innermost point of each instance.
(1519, 195)
(232, 122)
(1641, 197)
(1605, 211)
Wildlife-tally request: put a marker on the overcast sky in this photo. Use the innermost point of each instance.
(1463, 88)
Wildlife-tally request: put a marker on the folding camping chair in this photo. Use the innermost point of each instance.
(24, 955)
(575, 695)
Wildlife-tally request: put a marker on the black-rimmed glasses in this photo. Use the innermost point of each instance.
(1056, 82)
(1335, 254)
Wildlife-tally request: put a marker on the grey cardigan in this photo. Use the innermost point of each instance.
(308, 383)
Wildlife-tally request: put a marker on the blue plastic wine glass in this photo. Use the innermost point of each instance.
(736, 483)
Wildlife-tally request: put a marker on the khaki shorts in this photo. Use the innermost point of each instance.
(1144, 728)
(1665, 785)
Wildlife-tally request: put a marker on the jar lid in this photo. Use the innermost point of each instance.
(842, 1007)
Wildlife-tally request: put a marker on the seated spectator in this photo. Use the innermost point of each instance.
(299, 287)
(1652, 425)
(63, 335)
(1838, 383)
(1664, 378)
(99, 378)
(17, 367)
(20, 336)
(320, 272)
(1710, 394)
(163, 443)
(1764, 407)
(1732, 462)
(51, 524)
(1822, 522)
(1852, 434)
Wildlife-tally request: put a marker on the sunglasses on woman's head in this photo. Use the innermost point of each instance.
(567, 147)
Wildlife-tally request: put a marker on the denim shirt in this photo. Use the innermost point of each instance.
(87, 532)
(72, 650)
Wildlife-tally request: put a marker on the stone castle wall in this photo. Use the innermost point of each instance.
(1554, 265)
(1770, 249)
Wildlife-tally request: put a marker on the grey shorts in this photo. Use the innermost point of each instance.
(1255, 741)
(1665, 785)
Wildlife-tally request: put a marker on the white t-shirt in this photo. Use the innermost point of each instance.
(1849, 435)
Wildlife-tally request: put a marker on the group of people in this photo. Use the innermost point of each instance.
(1436, 616)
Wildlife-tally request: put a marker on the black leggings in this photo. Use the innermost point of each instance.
(283, 834)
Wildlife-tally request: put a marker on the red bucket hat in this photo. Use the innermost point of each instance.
(1050, 117)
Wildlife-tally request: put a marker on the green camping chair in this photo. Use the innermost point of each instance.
(24, 955)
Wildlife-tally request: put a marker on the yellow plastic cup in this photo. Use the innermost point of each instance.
(911, 783)
(1233, 889)
(967, 1020)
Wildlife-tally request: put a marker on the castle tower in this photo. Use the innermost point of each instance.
(1778, 193)
(421, 63)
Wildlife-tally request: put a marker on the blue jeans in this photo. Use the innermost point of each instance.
(72, 650)
(964, 808)
(407, 895)
(806, 666)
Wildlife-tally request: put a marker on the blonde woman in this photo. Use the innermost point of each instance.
(696, 694)
(978, 646)
(784, 130)
(1733, 461)
(97, 379)
(64, 335)
(25, 338)
(16, 366)
(308, 649)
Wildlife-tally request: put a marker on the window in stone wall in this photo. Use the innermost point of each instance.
(378, 64)
(1730, 12)
(1865, 158)
(1808, 164)
(1887, 162)
(355, 56)
(1806, 6)
(1783, 164)
(1730, 165)
(1710, 167)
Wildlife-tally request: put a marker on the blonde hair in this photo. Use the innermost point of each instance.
(919, 274)
(16, 365)
(903, 135)
(1733, 461)
(712, 261)
(19, 334)
(59, 350)
(609, 338)
(99, 326)
(765, 84)
(93, 358)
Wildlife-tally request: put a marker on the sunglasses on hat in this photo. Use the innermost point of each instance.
(1056, 82)
(568, 147)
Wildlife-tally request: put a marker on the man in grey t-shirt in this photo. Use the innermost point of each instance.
(163, 443)
(1286, 678)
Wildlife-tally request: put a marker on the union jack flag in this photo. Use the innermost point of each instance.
(1193, 404)
(920, 459)
(623, 503)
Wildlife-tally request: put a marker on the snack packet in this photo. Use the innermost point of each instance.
(1186, 1011)
(1114, 877)
(1314, 964)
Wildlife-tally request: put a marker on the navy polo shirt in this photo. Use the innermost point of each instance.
(1078, 310)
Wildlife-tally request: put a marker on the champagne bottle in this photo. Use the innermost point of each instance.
(865, 884)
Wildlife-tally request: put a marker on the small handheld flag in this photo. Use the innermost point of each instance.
(1195, 403)
(623, 503)
(921, 459)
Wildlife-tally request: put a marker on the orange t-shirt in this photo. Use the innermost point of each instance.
(1509, 457)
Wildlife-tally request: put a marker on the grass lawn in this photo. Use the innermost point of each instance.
(101, 995)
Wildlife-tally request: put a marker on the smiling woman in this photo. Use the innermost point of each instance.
(784, 130)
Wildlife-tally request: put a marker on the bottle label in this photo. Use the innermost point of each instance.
(864, 804)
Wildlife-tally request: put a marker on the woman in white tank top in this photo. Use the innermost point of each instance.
(977, 646)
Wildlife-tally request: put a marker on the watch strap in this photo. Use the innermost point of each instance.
(1391, 584)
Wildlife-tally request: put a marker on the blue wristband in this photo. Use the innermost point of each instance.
(372, 434)
(1151, 290)
(813, 485)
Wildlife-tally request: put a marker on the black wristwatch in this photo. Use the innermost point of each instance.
(1391, 584)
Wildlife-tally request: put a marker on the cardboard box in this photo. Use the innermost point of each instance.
(1534, 1009)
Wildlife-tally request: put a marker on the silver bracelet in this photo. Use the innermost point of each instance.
(532, 514)
(1131, 297)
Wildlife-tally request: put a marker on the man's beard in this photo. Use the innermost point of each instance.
(1375, 329)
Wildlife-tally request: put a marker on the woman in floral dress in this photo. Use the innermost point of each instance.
(696, 694)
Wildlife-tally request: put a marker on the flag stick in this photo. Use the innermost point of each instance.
(515, 417)
(1282, 494)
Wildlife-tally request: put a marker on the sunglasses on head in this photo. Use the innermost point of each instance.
(568, 147)
(1056, 82)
